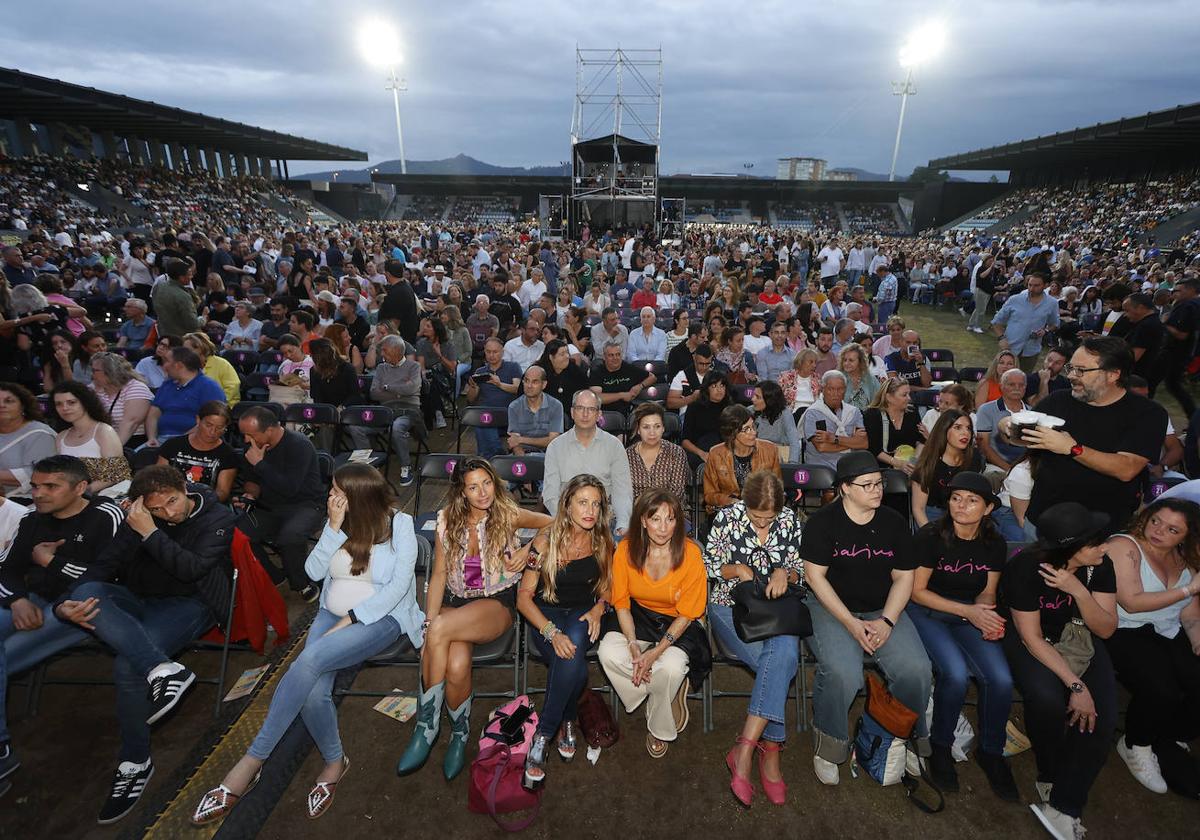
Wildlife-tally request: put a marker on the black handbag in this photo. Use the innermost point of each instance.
(757, 617)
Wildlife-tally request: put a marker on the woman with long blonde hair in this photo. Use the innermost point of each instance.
(563, 595)
(477, 563)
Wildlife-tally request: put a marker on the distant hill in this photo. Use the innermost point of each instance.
(458, 165)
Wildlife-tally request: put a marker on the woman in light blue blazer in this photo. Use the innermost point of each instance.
(365, 558)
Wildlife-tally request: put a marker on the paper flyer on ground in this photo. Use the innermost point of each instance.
(398, 705)
(246, 683)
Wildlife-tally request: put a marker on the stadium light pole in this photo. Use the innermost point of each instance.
(922, 45)
(380, 46)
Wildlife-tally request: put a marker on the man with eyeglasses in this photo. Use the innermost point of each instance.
(586, 448)
(1111, 435)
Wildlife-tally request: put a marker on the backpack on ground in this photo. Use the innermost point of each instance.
(495, 786)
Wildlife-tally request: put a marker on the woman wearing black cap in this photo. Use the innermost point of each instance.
(1061, 595)
(859, 565)
(953, 607)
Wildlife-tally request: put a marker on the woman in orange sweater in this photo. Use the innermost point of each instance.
(659, 592)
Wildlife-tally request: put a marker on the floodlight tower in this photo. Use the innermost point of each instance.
(379, 44)
(922, 45)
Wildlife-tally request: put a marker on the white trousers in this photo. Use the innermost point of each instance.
(668, 674)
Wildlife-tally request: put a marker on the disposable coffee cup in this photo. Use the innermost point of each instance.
(1024, 421)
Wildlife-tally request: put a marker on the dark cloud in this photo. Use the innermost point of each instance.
(742, 83)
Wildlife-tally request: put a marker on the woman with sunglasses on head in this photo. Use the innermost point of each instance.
(563, 595)
(953, 608)
(756, 536)
(1156, 647)
(1060, 596)
(858, 564)
(652, 645)
(366, 557)
(472, 597)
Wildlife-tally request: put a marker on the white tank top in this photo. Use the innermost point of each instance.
(88, 449)
(346, 591)
(1165, 620)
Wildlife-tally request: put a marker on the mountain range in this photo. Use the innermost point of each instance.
(466, 165)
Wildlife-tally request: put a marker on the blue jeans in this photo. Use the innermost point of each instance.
(853, 275)
(144, 633)
(462, 370)
(839, 676)
(307, 687)
(884, 310)
(958, 652)
(21, 650)
(566, 678)
(487, 442)
(773, 661)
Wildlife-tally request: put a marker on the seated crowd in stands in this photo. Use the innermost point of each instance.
(740, 407)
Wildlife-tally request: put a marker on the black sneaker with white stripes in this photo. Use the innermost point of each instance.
(128, 784)
(166, 691)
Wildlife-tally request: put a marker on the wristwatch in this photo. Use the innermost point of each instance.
(1076, 687)
(1077, 450)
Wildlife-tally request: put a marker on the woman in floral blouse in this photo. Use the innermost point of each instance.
(654, 462)
(756, 536)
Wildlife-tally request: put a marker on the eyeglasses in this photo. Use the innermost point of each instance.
(585, 409)
(869, 486)
(1073, 370)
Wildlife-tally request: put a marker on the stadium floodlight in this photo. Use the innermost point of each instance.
(923, 45)
(379, 43)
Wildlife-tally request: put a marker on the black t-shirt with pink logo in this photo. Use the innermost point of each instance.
(1022, 588)
(860, 558)
(960, 567)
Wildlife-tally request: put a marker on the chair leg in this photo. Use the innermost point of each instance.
(225, 647)
(802, 692)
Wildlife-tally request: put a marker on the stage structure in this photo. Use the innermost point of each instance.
(616, 128)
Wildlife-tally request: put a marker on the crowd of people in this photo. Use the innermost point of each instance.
(667, 392)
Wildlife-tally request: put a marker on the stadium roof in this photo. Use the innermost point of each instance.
(1171, 133)
(41, 100)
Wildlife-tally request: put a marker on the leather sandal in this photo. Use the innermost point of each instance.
(321, 795)
(655, 747)
(216, 804)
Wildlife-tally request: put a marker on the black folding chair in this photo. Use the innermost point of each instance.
(243, 361)
(613, 422)
(802, 479)
(480, 417)
(939, 356)
(436, 466)
(376, 420)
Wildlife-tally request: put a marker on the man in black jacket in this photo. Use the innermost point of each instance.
(172, 558)
(51, 550)
(284, 479)
(399, 305)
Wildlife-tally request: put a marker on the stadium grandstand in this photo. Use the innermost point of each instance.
(153, 255)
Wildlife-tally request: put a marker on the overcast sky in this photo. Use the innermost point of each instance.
(742, 82)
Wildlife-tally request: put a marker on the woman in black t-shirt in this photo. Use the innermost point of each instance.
(953, 608)
(563, 595)
(701, 424)
(950, 450)
(859, 565)
(202, 455)
(1061, 596)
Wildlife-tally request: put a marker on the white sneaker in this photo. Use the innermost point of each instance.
(1143, 764)
(1058, 824)
(827, 772)
(439, 421)
(1043, 790)
(912, 764)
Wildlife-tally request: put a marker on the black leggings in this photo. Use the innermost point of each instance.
(1163, 679)
(1069, 759)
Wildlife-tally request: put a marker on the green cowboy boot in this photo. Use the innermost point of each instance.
(460, 730)
(429, 720)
